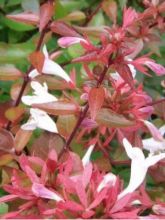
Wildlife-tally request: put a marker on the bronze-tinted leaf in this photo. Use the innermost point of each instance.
(14, 113)
(65, 124)
(46, 13)
(21, 139)
(47, 141)
(53, 83)
(96, 100)
(110, 8)
(37, 60)
(5, 159)
(25, 17)
(111, 119)
(9, 72)
(63, 29)
(58, 107)
(6, 140)
(15, 90)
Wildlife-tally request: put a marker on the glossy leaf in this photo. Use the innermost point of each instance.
(37, 59)
(109, 118)
(58, 107)
(46, 12)
(5, 159)
(96, 100)
(63, 29)
(14, 113)
(53, 83)
(65, 124)
(15, 90)
(6, 140)
(9, 72)
(14, 53)
(25, 17)
(110, 8)
(21, 139)
(16, 26)
(46, 142)
(74, 16)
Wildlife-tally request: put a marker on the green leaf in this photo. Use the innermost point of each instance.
(17, 26)
(73, 5)
(60, 10)
(14, 53)
(3, 208)
(75, 50)
(13, 2)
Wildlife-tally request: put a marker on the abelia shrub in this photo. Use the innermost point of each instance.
(82, 114)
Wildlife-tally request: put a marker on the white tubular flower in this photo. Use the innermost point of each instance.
(41, 191)
(139, 166)
(40, 96)
(156, 143)
(86, 158)
(108, 180)
(40, 119)
(52, 68)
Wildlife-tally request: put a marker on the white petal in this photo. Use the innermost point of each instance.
(152, 160)
(86, 158)
(152, 145)
(33, 74)
(38, 88)
(53, 68)
(133, 70)
(41, 191)
(31, 125)
(108, 180)
(43, 120)
(133, 152)
(138, 173)
(45, 51)
(41, 95)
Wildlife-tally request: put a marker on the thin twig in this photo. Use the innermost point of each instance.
(89, 18)
(84, 112)
(26, 76)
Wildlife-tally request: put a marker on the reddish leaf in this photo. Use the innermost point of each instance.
(21, 139)
(126, 74)
(96, 100)
(121, 203)
(6, 140)
(47, 141)
(53, 83)
(9, 72)
(5, 159)
(15, 90)
(46, 13)
(37, 59)
(111, 119)
(58, 108)
(25, 17)
(98, 199)
(3, 108)
(81, 193)
(63, 29)
(71, 205)
(65, 124)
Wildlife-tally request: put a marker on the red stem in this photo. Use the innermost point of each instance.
(84, 112)
(26, 77)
